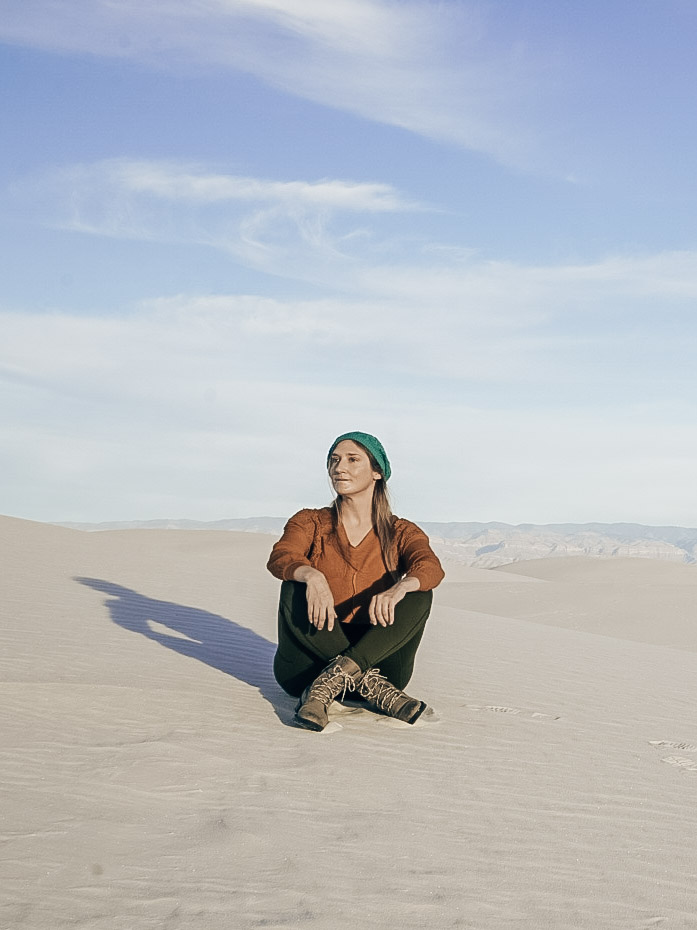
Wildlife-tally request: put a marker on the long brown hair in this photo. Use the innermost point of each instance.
(382, 516)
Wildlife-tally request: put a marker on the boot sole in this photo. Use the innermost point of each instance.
(316, 727)
(424, 706)
(309, 724)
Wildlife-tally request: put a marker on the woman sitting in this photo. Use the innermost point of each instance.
(356, 593)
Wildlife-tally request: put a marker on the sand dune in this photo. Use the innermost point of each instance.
(152, 777)
(631, 599)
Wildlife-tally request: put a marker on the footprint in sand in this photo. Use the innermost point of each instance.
(494, 708)
(667, 744)
(513, 711)
(688, 765)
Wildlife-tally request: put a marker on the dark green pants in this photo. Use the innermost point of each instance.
(303, 650)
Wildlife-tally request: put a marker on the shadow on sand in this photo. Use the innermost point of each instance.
(210, 638)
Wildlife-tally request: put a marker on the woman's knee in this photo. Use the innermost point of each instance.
(416, 605)
(292, 602)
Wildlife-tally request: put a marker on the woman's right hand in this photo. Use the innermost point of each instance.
(320, 601)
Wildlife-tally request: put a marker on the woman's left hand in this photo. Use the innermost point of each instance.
(382, 605)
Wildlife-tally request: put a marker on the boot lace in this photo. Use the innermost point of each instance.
(327, 686)
(376, 688)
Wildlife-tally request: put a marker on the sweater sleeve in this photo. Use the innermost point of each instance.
(293, 548)
(418, 559)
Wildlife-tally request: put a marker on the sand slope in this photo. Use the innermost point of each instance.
(151, 777)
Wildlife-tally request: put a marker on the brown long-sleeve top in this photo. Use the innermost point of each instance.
(354, 573)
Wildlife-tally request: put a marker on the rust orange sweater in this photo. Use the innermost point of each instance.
(354, 573)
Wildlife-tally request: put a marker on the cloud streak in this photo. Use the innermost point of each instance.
(261, 221)
(174, 182)
(307, 230)
(432, 69)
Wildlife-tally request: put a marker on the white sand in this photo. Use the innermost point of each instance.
(150, 777)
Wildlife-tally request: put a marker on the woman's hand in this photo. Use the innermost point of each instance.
(320, 600)
(382, 606)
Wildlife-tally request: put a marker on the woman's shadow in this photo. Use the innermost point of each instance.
(210, 638)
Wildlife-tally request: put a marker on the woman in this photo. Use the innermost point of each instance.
(356, 593)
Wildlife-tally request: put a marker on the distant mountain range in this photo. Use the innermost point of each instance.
(487, 545)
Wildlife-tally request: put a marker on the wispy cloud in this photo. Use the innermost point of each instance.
(542, 290)
(299, 228)
(174, 182)
(433, 69)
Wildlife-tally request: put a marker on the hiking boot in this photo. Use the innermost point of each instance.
(382, 696)
(341, 675)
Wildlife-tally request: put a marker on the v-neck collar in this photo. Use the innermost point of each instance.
(370, 532)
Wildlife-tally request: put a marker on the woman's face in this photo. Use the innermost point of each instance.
(349, 469)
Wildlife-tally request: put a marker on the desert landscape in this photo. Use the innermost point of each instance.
(152, 776)
(233, 231)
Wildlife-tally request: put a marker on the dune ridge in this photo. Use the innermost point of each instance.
(152, 776)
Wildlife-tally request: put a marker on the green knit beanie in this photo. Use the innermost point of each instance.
(371, 443)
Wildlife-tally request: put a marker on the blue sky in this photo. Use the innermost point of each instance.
(233, 229)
